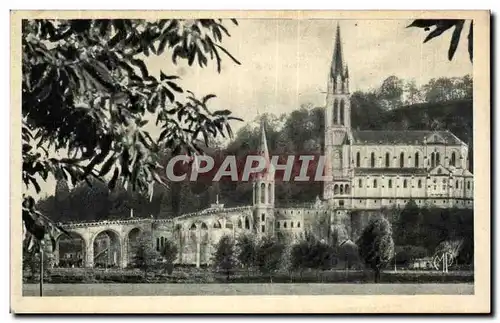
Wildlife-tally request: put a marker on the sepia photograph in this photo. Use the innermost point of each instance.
(294, 154)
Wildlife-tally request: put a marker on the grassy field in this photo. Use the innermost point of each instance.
(246, 289)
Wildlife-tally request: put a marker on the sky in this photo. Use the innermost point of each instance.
(285, 63)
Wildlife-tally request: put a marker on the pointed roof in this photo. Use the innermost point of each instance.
(263, 151)
(337, 59)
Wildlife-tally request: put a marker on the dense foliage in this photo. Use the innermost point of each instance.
(269, 256)
(87, 96)
(224, 258)
(376, 246)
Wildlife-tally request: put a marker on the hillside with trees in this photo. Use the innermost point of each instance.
(442, 104)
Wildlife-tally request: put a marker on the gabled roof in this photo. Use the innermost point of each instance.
(439, 170)
(407, 137)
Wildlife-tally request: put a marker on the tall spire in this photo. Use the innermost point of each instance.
(263, 141)
(337, 59)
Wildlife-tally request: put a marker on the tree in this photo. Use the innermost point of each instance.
(87, 93)
(391, 92)
(269, 254)
(407, 253)
(442, 25)
(224, 257)
(376, 246)
(145, 256)
(247, 248)
(413, 93)
(169, 252)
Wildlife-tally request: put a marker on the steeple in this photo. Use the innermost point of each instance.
(337, 67)
(263, 151)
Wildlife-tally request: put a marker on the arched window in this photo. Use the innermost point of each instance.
(453, 159)
(468, 185)
(247, 223)
(372, 160)
(284, 224)
(402, 160)
(157, 244)
(360, 183)
(335, 189)
(291, 224)
(358, 159)
(405, 183)
(335, 112)
(240, 224)
(433, 160)
(416, 159)
(456, 183)
(262, 193)
(298, 224)
(387, 160)
(374, 183)
(342, 122)
(390, 183)
(347, 189)
(269, 194)
(419, 183)
(341, 189)
(438, 159)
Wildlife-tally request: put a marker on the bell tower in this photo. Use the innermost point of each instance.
(338, 133)
(263, 192)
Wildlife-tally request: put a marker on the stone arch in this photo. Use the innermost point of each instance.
(335, 189)
(178, 237)
(247, 223)
(335, 112)
(107, 247)
(453, 160)
(217, 224)
(132, 239)
(341, 189)
(70, 250)
(342, 112)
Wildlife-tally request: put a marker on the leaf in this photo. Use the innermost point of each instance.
(112, 182)
(228, 54)
(107, 165)
(234, 21)
(423, 23)
(170, 95)
(441, 27)
(175, 87)
(140, 64)
(207, 97)
(164, 77)
(470, 40)
(455, 38)
(163, 43)
(119, 37)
